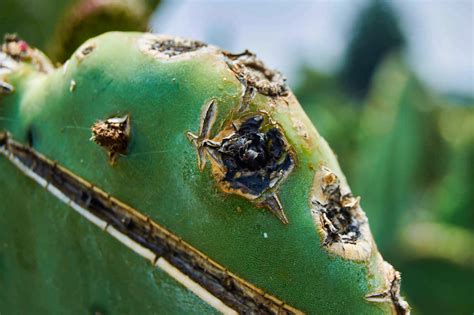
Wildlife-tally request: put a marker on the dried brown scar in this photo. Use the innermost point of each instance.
(254, 75)
(249, 158)
(392, 292)
(113, 135)
(167, 47)
(340, 221)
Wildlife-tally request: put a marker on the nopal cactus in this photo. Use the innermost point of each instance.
(202, 162)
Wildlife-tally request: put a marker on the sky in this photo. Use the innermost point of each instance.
(287, 34)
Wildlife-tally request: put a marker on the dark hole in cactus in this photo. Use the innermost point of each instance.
(30, 138)
(254, 159)
(249, 158)
(175, 47)
(3, 139)
(86, 51)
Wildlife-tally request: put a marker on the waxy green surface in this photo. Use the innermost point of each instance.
(160, 178)
(53, 261)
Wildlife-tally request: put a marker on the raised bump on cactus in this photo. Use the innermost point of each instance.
(190, 103)
(113, 134)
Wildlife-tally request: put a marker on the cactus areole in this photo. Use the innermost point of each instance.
(198, 160)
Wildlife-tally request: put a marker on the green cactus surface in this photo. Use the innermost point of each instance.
(209, 145)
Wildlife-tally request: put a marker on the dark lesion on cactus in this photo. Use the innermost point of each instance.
(113, 135)
(6, 88)
(338, 212)
(30, 137)
(253, 73)
(253, 158)
(250, 158)
(3, 138)
(87, 50)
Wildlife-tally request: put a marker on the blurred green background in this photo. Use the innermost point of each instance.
(406, 148)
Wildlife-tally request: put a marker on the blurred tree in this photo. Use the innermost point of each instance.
(60, 26)
(33, 20)
(376, 34)
(89, 18)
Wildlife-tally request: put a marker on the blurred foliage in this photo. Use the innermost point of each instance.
(58, 27)
(89, 18)
(34, 21)
(376, 34)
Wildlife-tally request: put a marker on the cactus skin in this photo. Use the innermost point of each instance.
(119, 74)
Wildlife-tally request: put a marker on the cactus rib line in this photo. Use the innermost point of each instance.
(143, 234)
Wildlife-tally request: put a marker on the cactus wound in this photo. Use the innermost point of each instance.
(85, 51)
(113, 135)
(392, 292)
(14, 51)
(162, 46)
(174, 47)
(254, 75)
(341, 222)
(6, 88)
(252, 72)
(11, 53)
(16, 48)
(249, 158)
